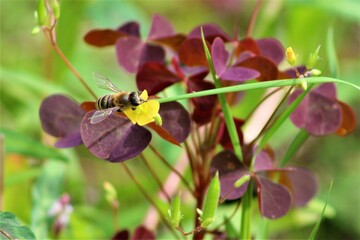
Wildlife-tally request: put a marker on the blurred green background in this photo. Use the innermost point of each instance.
(36, 173)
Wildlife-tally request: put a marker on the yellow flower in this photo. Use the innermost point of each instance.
(145, 113)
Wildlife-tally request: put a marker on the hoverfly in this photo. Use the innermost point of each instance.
(118, 101)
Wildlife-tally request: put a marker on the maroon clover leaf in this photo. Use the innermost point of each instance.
(132, 52)
(61, 117)
(114, 139)
(319, 112)
(296, 186)
(233, 73)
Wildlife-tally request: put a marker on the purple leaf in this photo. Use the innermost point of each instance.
(318, 114)
(302, 184)
(263, 162)
(160, 28)
(130, 28)
(274, 199)
(176, 120)
(219, 55)
(70, 140)
(211, 31)
(239, 74)
(61, 117)
(272, 49)
(155, 77)
(230, 170)
(131, 53)
(327, 90)
(115, 139)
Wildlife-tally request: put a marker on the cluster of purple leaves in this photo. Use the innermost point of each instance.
(167, 57)
(296, 186)
(115, 139)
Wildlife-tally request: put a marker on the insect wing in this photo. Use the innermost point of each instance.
(104, 82)
(101, 115)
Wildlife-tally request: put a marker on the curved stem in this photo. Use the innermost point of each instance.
(147, 196)
(171, 168)
(253, 19)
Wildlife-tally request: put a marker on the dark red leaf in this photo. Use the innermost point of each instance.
(302, 184)
(61, 117)
(176, 120)
(142, 233)
(274, 199)
(121, 235)
(88, 106)
(225, 140)
(160, 28)
(211, 31)
(230, 170)
(115, 139)
(103, 37)
(203, 103)
(200, 116)
(131, 53)
(348, 120)
(191, 53)
(220, 58)
(272, 49)
(162, 132)
(267, 69)
(130, 28)
(247, 45)
(172, 41)
(317, 113)
(155, 77)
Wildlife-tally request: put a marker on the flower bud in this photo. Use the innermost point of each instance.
(211, 202)
(56, 8)
(175, 215)
(290, 56)
(110, 193)
(241, 181)
(41, 13)
(304, 84)
(315, 72)
(313, 58)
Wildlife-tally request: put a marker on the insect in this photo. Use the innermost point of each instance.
(118, 101)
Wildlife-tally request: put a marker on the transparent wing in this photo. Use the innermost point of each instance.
(101, 115)
(104, 82)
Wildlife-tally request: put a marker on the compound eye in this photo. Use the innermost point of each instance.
(134, 100)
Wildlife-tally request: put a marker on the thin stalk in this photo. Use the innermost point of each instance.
(52, 36)
(260, 102)
(156, 178)
(271, 117)
(253, 19)
(171, 168)
(152, 202)
(257, 85)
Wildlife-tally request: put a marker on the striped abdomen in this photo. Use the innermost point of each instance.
(105, 102)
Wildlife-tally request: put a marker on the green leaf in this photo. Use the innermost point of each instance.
(295, 145)
(211, 201)
(317, 225)
(10, 228)
(229, 120)
(331, 53)
(19, 143)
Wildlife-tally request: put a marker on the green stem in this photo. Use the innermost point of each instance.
(245, 227)
(257, 85)
(229, 120)
(295, 145)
